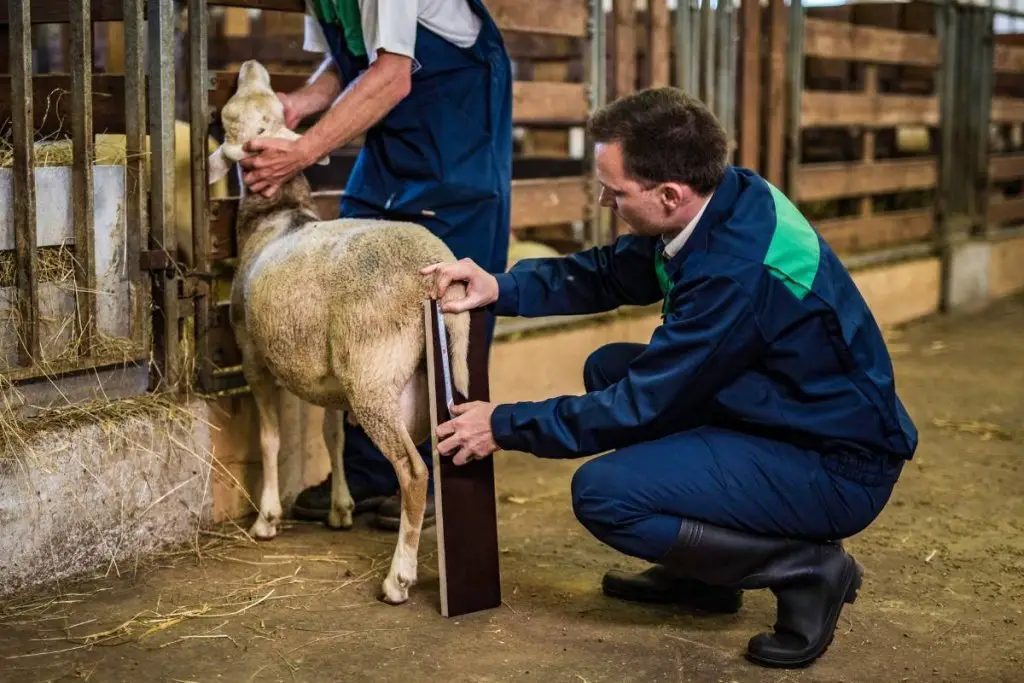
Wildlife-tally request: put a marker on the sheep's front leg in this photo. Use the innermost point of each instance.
(342, 505)
(265, 394)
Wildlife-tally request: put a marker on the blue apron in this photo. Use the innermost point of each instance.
(443, 156)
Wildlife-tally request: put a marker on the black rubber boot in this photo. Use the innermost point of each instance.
(389, 514)
(811, 582)
(660, 585)
(314, 503)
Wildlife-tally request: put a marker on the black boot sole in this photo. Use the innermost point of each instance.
(853, 579)
(320, 514)
(621, 590)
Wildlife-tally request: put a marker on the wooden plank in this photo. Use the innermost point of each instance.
(541, 102)
(553, 17)
(776, 104)
(624, 47)
(59, 11)
(1007, 110)
(535, 102)
(21, 82)
(81, 174)
(467, 512)
(1008, 59)
(750, 85)
(1003, 211)
(547, 201)
(835, 109)
(858, 233)
(659, 56)
(54, 112)
(816, 182)
(842, 40)
(1006, 167)
(535, 202)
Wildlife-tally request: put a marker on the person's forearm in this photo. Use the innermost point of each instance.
(323, 87)
(363, 103)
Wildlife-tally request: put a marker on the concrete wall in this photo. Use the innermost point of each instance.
(75, 499)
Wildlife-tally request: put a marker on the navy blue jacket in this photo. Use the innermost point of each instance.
(764, 333)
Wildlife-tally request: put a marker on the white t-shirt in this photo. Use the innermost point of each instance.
(390, 25)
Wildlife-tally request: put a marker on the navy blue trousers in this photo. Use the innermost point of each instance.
(634, 499)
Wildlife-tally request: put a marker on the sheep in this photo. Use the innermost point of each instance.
(332, 311)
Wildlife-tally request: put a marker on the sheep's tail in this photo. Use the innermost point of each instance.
(458, 333)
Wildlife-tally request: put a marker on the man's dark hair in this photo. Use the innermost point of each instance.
(666, 135)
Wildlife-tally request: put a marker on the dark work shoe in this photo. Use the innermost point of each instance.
(811, 581)
(314, 503)
(808, 612)
(659, 585)
(389, 513)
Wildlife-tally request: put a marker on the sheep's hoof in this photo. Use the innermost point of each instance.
(263, 530)
(339, 518)
(395, 590)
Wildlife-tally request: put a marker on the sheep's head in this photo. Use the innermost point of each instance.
(253, 111)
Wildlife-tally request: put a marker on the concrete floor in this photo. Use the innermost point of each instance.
(942, 600)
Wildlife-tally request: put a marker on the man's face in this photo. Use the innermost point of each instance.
(644, 210)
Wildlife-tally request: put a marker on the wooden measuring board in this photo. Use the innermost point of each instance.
(467, 515)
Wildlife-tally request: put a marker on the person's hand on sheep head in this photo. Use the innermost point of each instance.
(275, 161)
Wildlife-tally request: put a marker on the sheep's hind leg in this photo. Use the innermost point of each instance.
(342, 505)
(391, 436)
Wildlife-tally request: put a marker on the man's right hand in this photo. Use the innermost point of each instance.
(292, 115)
(481, 289)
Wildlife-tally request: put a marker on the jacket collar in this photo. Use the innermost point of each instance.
(720, 205)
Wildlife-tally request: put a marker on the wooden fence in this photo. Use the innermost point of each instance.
(860, 112)
(1006, 163)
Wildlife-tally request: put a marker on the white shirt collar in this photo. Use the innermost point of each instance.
(677, 242)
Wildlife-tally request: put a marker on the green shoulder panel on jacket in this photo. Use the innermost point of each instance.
(794, 252)
(343, 13)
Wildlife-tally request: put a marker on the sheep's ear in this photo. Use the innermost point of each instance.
(217, 165)
(289, 134)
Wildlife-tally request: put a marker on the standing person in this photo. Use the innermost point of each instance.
(759, 427)
(429, 85)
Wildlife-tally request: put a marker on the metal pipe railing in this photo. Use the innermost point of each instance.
(82, 176)
(199, 120)
(24, 180)
(160, 24)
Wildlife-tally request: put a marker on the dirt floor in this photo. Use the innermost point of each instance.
(942, 600)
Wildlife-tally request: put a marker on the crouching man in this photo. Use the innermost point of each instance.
(758, 427)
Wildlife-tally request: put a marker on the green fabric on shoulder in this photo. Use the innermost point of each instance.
(794, 253)
(343, 13)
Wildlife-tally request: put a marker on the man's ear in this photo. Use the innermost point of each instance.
(217, 165)
(289, 134)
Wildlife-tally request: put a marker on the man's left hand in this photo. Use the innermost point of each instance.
(276, 161)
(469, 433)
